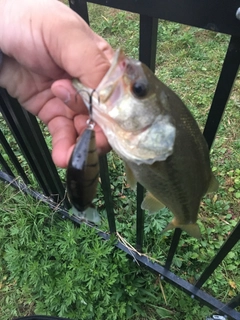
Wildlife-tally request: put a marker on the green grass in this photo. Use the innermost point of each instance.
(48, 266)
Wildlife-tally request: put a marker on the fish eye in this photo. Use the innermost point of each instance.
(140, 89)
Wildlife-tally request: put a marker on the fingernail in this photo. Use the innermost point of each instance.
(63, 94)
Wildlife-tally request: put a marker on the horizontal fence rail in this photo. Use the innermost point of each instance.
(218, 16)
(214, 15)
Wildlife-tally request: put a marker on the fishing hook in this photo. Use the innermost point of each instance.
(90, 107)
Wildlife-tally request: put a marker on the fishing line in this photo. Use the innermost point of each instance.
(90, 104)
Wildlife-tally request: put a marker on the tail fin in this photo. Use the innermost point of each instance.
(192, 228)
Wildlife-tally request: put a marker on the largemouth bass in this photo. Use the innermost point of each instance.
(154, 133)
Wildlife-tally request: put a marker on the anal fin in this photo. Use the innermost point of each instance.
(213, 185)
(131, 180)
(151, 204)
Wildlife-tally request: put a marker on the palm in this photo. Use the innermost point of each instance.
(40, 56)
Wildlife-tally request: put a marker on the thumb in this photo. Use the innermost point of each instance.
(77, 49)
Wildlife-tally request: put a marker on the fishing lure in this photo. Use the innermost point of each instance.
(83, 171)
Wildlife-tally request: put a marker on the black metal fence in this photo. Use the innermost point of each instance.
(219, 16)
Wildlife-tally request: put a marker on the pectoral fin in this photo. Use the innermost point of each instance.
(151, 204)
(213, 185)
(192, 228)
(131, 180)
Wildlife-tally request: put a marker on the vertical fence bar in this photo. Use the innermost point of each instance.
(173, 247)
(80, 7)
(223, 90)
(45, 164)
(140, 219)
(5, 109)
(224, 250)
(6, 166)
(147, 39)
(29, 137)
(13, 158)
(104, 174)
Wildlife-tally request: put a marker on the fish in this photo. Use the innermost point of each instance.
(82, 177)
(151, 129)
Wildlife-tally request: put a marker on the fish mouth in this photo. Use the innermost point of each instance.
(108, 87)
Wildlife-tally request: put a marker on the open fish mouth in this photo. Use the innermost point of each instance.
(108, 89)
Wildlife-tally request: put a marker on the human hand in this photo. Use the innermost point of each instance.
(45, 45)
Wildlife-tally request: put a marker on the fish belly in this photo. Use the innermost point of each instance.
(179, 185)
